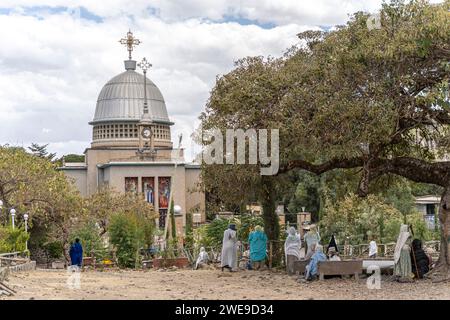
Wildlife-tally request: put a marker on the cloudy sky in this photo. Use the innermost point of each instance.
(55, 55)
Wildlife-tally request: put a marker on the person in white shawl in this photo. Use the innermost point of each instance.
(202, 259)
(229, 249)
(292, 247)
(373, 249)
(402, 259)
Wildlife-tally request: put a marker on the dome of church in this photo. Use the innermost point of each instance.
(120, 108)
(122, 98)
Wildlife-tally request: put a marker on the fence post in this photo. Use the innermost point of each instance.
(270, 254)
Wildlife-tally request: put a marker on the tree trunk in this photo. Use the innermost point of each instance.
(442, 270)
(271, 223)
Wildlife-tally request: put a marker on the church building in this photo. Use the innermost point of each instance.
(131, 148)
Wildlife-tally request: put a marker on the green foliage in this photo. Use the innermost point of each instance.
(41, 151)
(306, 194)
(189, 239)
(12, 240)
(420, 228)
(211, 235)
(363, 219)
(246, 224)
(214, 231)
(74, 157)
(89, 235)
(173, 225)
(53, 249)
(347, 98)
(128, 234)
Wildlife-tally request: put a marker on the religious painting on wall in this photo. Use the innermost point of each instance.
(148, 188)
(163, 199)
(164, 192)
(131, 184)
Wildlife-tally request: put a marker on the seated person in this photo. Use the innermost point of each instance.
(310, 253)
(202, 259)
(420, 259)
(333, 255)
(313, 265)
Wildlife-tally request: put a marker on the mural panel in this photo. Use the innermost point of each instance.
(163, 199)
(131, 184)
(148, 188)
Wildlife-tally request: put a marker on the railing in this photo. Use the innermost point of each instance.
(12, 258)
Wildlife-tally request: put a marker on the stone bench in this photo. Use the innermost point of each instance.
(346, 267)
(300, 266)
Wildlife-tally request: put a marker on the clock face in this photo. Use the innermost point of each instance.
(146, 132)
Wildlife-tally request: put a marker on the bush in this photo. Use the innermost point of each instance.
(54, 250)
(128, 234)
(211, 235)
(89, 235)
(12, 240)
(362, 219)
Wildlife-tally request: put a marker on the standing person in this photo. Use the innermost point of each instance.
(292, 246)
(312, 238)
(229, 249)
(402, 259)
(76, 253)
(373, 249)
(258, 247)
(420, 259)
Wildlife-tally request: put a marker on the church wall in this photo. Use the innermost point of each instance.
(195, 201)
(79, 177)
(99, 156)
(117, 175)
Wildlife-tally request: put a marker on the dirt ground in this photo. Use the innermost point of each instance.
(209, 284)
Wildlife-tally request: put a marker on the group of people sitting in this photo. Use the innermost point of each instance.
(410, 260)
(314, 252)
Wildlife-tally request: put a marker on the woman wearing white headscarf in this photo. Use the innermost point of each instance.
(229, 248)
(312, 238)
(312, 268)
(202, 259)
(292, 247)
(402, 259)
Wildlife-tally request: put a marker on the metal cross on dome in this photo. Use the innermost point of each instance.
(144, 65)
(130, 41)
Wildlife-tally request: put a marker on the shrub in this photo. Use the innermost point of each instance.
(211, 235)
(128, 234)
(54, 250)
(12, 240)
(89, 235)
(362, 219)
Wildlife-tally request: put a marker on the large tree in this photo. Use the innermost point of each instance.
(369, 97)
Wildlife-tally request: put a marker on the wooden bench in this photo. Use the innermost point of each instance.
(300, 266)
(346, 267)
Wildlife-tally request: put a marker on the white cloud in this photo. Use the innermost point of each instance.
(53, 65)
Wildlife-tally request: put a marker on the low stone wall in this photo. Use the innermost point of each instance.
(27, 266)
